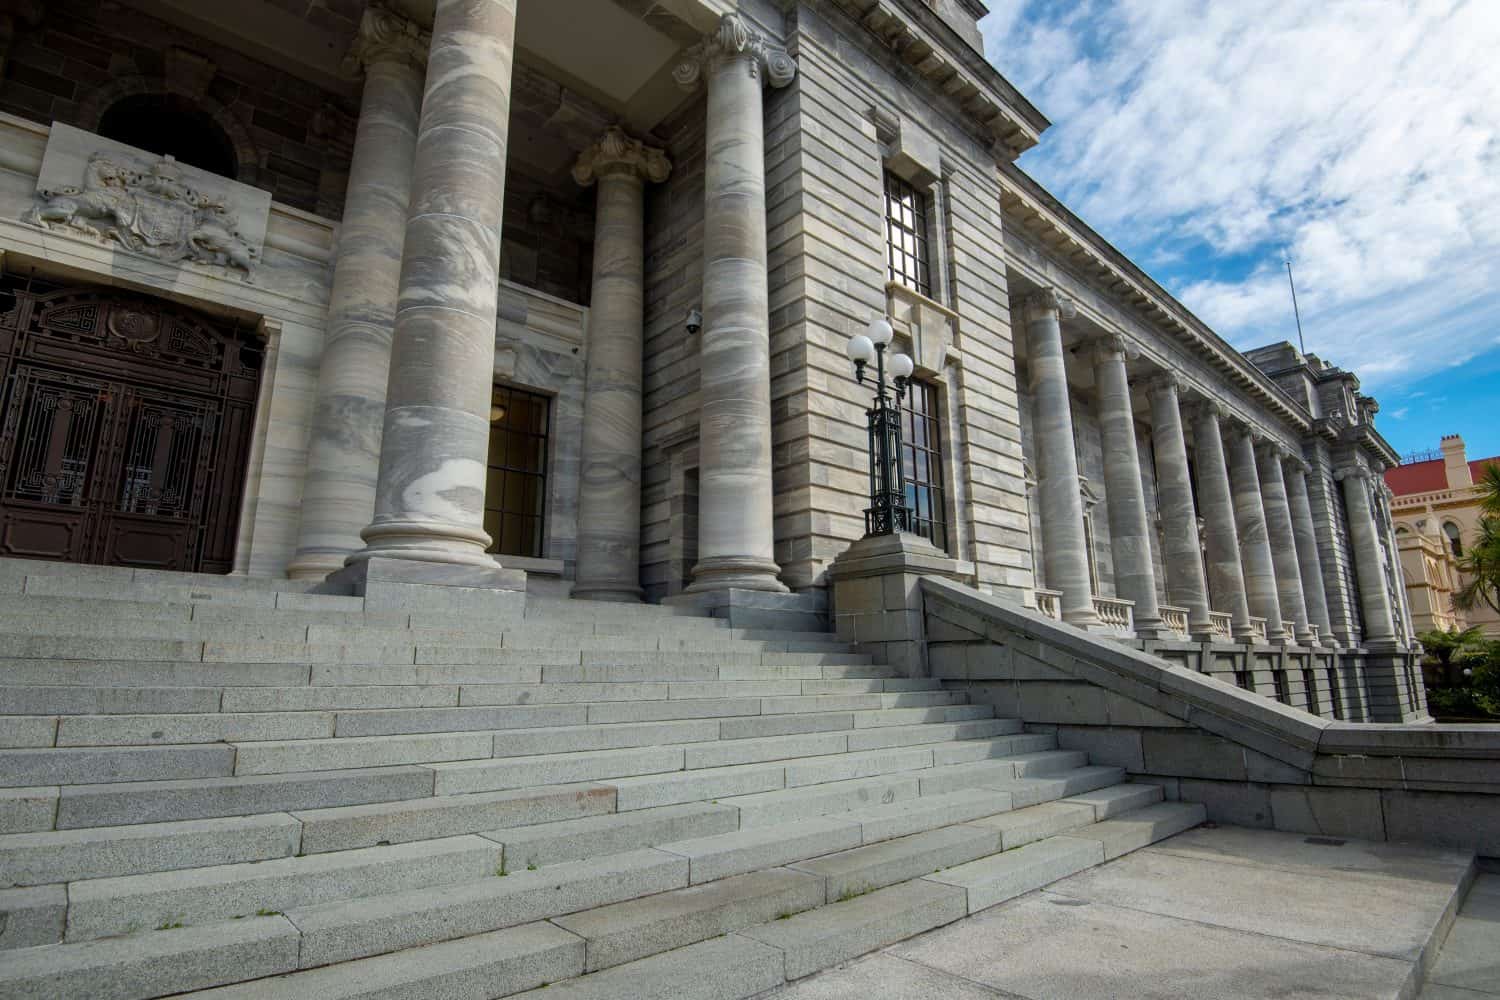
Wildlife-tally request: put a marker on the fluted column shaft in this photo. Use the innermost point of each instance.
(343, 457)
(1369, 569)
(1309, 562)
(1221, 537)
(1181, 556)
(1283, 542)
(1064, 544)
(609, 489)
(429, 501)
(1255, 544)
(1125, 498)
(736, 533)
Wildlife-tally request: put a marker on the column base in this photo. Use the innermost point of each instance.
(736, 573)
(316, 566)
(1202, 633)
(1082, 619)
(1306, 638)
(605, 592)
(1151, 628)
(1245, 634)
(759, 609)
(394, 584)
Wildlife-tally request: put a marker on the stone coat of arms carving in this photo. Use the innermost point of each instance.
(148, 205)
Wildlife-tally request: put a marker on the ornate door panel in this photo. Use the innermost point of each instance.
(126, 424)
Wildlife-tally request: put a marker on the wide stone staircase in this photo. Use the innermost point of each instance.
(244, 788)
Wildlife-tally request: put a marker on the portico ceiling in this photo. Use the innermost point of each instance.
(618, 55)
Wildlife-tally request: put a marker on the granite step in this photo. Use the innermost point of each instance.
(126, 904)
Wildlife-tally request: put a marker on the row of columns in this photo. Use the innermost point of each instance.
(1259, 540)
(398, 452)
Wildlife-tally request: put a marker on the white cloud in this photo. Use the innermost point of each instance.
(1361, 135)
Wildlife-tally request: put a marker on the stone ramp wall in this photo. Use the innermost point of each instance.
(1250, 760)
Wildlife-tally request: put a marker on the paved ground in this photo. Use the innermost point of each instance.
(1468, 967)
(1212, 913)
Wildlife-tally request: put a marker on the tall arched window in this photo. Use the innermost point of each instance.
(171, 125)
(1454, 541)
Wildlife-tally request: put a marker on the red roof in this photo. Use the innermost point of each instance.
(1429, 477)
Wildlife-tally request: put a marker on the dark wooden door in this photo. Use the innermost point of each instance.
(125, 425)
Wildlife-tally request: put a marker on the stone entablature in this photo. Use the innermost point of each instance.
(958, 72)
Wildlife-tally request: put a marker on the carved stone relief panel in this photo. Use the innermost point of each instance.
(148, 204)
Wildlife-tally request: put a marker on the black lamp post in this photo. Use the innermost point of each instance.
(887, 513)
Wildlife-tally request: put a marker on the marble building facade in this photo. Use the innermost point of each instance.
(554, 294)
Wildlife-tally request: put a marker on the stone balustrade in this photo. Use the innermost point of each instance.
(1223, 625)
(1175, 619)
(1258, 628)
(1115, 613)
(1049, 603)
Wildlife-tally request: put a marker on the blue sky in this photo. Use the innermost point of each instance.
(1210, 139)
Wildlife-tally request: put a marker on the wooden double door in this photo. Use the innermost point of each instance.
(125, 426)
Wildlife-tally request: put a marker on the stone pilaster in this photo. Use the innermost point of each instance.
(1182, 558)
(736, 534)
(1255, 544)
(609, 489)
(1369, 567)
(1309, 563)
(429, 500)
(1125, 500)
(343, 452)
(1269, 458)
(1221, 538)
(1064, 545)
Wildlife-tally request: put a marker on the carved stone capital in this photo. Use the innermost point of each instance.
(1271, 450)
(386, 36)
(1294, 462)
(1203, 408)
(617, 153)
(734, 39)
(1047, 303)
(1164, 382)
(1344, 472)
(1112, 347)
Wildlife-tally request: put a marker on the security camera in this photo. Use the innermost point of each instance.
(693, 321)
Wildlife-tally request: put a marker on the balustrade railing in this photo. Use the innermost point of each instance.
(1049, 603)
(1259, 624)
(1222, 624)
(1116, 613)
(1176, 619)
(1314, 630)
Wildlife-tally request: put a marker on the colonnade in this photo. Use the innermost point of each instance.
(1247, 548)
(400, 438)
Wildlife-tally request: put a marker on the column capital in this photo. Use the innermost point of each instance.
(385, 36)
(1164, 382)
(1355, 471)
(1203, 408)
(1112, 347)
(734, 39)
(1272, 450)
(1295, 462)
(617, 153)
(1044, 301)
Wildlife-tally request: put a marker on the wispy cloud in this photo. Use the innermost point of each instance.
(1360, 137)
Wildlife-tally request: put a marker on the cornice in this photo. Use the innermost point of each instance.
(940, 56)
(1071, 241)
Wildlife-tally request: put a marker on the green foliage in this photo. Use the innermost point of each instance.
(1476, 692)
(1442, 644)
(1480, 565)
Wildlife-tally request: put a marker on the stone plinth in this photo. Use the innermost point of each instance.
(877, 598)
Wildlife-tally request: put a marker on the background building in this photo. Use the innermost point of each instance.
(1437, 508)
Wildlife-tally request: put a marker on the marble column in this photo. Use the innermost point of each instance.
(1125, 498)
(429, 499)
(736, 532)
(609, 489)
(1221, 537)
(1309, 562)
(1255, 543)
(1065, 555)
(1369, 567)
(343, 454)
(1269, 458)
(1181, 556)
